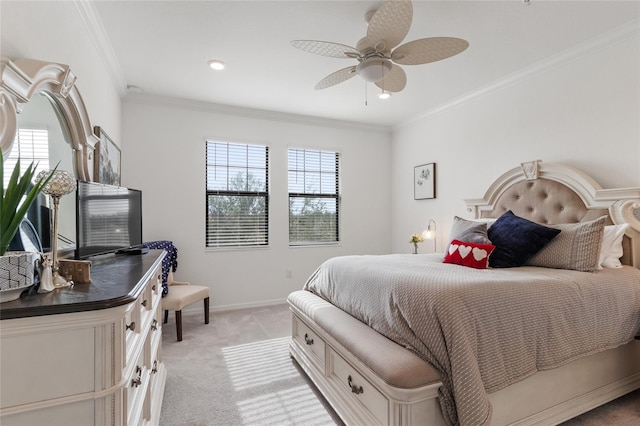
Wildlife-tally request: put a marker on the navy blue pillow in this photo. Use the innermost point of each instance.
(517, 240)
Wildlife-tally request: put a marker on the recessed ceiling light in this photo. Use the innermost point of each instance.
(384, 95)
(216, 65)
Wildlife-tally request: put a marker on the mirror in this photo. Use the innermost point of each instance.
(47, 143)
(42, 95)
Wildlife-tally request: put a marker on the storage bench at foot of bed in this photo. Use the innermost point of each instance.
(399, 388)
(367, 378)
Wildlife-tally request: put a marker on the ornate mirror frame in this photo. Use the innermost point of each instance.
(20, 79)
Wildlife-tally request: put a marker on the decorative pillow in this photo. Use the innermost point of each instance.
(469, 231)
(469, 254)
(577, 247)
(611, 250)
(488, 220)
(517, 240)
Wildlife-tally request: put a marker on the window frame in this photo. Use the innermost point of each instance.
(317, 195)
(265, 194)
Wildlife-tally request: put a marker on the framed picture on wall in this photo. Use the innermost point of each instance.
(424, 181)
(106, 159)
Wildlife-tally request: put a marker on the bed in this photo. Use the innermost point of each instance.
(534, 344)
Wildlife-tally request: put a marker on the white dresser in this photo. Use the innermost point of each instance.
(86, 355)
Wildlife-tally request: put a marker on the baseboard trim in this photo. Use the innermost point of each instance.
(197, 307)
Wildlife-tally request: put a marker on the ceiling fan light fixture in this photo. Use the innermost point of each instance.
(373, 69)
(384, 95)
(216, 65)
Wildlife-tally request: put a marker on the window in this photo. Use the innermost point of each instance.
(314, 197)
(237, 195)
(30, 145)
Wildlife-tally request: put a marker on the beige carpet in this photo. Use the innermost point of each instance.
(237, 371)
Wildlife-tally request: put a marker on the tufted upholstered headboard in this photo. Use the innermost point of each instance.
(552, 193)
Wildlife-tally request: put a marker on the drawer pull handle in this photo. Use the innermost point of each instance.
(307, 340)
(138, 380)
(132, 326)
(154, 370)
(153, 287)
(144, 303)
(154, 325)
(355, 389)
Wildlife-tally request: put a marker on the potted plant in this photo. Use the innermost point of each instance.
(15, 201)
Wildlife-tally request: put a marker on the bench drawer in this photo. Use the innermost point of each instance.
(357, 389)
(311, 343)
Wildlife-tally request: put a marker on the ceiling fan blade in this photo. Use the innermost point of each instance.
(394, 81)
(337, 77)
(427, 50)
(326, 48)
(390, 24)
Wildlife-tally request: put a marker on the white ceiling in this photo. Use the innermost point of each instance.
(163, 47)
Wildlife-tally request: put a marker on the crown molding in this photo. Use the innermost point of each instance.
(93, 24)
(148, 99)
(621, 33)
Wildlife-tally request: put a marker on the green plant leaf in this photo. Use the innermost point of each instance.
(12, 211)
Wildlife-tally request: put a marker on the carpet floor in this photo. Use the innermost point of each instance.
(237, 371)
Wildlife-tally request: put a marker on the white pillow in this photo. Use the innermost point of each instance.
(611, 249)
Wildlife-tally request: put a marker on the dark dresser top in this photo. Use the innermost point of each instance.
(115, 280)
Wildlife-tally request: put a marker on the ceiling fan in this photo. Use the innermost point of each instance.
(375, 53)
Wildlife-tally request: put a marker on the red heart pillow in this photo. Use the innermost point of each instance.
(469, 254)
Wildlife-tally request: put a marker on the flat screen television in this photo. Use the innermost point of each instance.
(108, 218)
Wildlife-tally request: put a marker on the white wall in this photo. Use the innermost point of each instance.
(582, 109)
(164, 156)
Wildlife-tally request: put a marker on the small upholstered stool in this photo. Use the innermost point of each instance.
(181, 295)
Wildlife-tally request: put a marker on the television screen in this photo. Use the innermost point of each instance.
(108, 218)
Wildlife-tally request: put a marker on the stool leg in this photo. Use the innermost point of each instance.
(166, 316)
(206, 310)
(179, 325)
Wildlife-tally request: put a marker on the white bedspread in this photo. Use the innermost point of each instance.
(483, 329)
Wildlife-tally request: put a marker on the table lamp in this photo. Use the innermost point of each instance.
(430, 234)
(61, 183)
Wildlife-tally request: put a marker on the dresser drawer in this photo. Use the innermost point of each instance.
(311, 343)
(357, 389)
(132, 325)
(137, 384)
(155, 328)
(156, 287)
(146, 301)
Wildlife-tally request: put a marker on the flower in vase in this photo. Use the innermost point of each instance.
(415, 239)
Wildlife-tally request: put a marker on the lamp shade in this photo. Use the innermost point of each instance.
(428, 234)
(373, 69)
(61, 183)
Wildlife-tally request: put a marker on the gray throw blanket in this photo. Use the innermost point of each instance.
(483, 329)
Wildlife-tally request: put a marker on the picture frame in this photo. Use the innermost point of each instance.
(106, 159)
(424, 181)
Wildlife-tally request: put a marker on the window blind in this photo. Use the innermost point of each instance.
(29, 145)
(237, 182)
(314, 196)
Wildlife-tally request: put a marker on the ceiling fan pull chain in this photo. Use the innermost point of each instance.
(366, 100)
